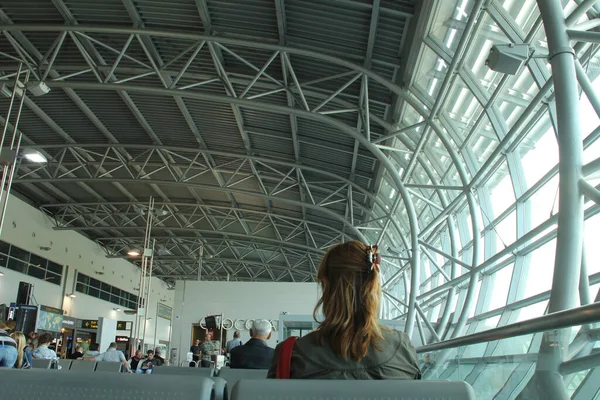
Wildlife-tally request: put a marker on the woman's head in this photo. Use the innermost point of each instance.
(349, 278)
(21, 340)
(45, 339)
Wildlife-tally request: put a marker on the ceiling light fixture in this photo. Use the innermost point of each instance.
(35, 157)
(133, 253)
(1, 273)
(117, 309)
(72, 295)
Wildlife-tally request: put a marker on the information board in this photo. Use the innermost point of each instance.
(89, 323)
(164, 311)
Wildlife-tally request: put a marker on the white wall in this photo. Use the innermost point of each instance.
(30, 229)
(244, 300)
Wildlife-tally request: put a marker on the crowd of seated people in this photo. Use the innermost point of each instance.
(350, 342)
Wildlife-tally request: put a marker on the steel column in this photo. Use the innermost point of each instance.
(569, 240)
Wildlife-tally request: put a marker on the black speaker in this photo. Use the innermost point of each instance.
(211, 322)
(24, 293)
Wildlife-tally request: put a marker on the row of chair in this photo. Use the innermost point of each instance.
(43, 384)
(78, 365)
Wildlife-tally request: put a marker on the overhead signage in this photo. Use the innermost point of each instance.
(69, 322)
(122, 325)
(52, 310)
(164, 311)
(89, 323)
(122, 339)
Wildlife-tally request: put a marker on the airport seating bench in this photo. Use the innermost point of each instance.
(45, 384)
(301, 389)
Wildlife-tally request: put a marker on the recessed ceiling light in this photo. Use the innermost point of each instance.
(35, 157)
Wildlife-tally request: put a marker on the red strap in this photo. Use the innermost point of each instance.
(284, 361)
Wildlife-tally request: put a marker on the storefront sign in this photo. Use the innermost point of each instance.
(89, 323)
(69, 322)
(164, 311)
(122, 339)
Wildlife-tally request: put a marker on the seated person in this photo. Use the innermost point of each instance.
(255, 354)
(159, 360)
(77, 355)
(92, 352)
(145, 366)
(233, 343)
(24, 358)
(135, 360)
(349, 343)
(43, 351)
(114, 355)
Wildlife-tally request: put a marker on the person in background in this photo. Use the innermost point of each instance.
(114, 355)
(78, 354)
(160, 361)
(235, 342)
(146, 365)
(32, 340)
(349, 343)
(92, 352)
(195, 350)
(255, 354)
(43, 351)
(135, 360)
(8, 348)
(208, 349)
(24, 359)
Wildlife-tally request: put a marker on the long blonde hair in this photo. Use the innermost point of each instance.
(350, 301)
(19, 337)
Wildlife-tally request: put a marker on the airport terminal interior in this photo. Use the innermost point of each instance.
(176, 170)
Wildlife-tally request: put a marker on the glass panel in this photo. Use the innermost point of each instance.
(501, 285)
(36, 272)
(104, 295)
(53, 278)
(493, 368)
(539, 154)
(541, 269)
(38, 261)
(54, 267)
(80, 288)
(544, 203)
(4, 247)
(17, 265)
(19, 253)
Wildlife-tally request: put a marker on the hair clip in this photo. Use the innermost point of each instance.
(374, 257)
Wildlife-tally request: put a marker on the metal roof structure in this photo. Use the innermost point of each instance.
(267, 130)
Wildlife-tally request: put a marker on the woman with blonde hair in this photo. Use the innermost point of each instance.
(349, 343)
(24, 359)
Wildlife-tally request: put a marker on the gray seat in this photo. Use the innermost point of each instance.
(203, 372)
(83, 366)
(302, 389)
(64, 365)
(231, 376)
(106, 366)
(49, 385)
(37, 363)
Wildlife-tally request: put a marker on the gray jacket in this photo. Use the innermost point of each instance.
(397, 359)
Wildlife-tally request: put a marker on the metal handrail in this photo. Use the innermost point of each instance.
(563, 319)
